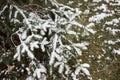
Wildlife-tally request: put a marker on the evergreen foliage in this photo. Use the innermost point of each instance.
(51, 40)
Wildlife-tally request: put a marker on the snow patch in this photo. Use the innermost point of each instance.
(99, 17)
(116, 51)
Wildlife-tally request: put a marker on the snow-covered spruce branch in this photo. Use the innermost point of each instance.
(51, 36)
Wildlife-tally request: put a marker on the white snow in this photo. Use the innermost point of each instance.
(103, 7)
(87, 11)
(30, 78)
(61, 68)
(89, 28)
(98, 17)
(16, 13)
(39, 72)
(78, 50)
(26, 49)
(53, 56)
(17, 55)
(24, 35)
(81, 45)
(86, 71)
(43, 43)
(96, 0)
(85, 0)
(55, 39)
(74, 77)
(116, 51)
(70, 2)
(113, 22)
(77, 70)
(34, 45)
(71, 32)
(85, 65)
(112, 31)
(110, 42)
(10, 14)
(22, 13)
(3, 9)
